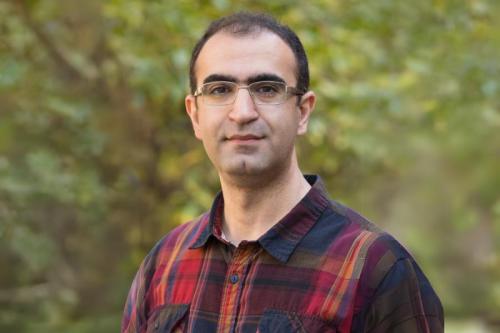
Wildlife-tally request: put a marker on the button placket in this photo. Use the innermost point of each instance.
(233, 288)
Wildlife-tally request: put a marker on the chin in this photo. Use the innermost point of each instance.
(246, 173)
(244, 169)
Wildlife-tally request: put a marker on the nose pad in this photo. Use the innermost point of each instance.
(248, 92)
(244, 108)
(247, 97)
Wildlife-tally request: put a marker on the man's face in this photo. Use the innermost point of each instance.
(245, 139)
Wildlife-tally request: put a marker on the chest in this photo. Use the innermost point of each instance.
(248, 290)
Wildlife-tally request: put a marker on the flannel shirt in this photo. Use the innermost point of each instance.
(322, 268)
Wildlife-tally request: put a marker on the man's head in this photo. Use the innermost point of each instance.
(243, 24)
(245, 104)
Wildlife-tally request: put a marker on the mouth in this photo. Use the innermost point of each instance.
(244, 137)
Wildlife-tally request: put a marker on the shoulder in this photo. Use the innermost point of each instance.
(374, 250)
(184, 233)
(393, 291)
(177, 241)
(390, 277)
(166, 250)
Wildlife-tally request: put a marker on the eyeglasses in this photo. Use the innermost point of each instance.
(263, 92)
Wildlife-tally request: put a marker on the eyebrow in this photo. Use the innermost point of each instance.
(250, 80)
(265, 77)
(219, 77)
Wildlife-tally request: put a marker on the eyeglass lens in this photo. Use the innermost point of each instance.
(263, 92)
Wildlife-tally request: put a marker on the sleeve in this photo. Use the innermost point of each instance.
(134, 314)
(404, 301)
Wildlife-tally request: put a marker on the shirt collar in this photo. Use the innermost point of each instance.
(281, 240)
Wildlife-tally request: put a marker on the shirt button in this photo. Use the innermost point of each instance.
(234, 278)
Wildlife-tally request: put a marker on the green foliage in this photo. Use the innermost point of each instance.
(97, 157)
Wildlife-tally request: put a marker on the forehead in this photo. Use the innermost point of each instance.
(246, 56)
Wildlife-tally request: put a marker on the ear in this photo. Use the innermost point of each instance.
(305, 107)
(192, 111)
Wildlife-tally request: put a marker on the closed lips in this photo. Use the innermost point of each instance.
(245, 137)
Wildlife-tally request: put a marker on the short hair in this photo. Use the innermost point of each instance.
(245, 23)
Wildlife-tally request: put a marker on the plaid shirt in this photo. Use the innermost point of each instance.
(322, 268)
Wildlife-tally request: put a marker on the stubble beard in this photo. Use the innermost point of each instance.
(244, 171)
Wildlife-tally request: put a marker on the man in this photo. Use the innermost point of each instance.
(274, 253)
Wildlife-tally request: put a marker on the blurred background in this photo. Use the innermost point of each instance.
(98, 160)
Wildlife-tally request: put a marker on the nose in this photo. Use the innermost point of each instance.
(243, 109)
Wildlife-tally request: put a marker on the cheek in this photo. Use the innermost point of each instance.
(287, 124)
(207, 125)
(209, 131)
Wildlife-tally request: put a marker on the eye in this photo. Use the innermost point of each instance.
(267, 89)
(218, 88)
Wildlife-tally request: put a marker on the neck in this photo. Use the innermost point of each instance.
(253, 208)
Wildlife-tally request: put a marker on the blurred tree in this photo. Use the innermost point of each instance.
(97, 159)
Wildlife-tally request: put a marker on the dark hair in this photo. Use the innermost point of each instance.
(245, 23)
